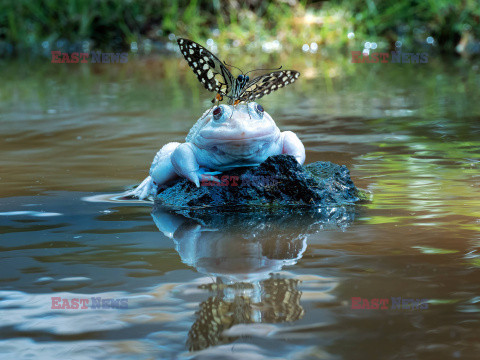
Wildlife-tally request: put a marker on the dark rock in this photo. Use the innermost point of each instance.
(277, 182)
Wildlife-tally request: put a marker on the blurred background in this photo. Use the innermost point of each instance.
(252, 26)
(73, 136)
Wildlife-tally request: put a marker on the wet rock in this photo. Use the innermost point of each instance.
(277, 182)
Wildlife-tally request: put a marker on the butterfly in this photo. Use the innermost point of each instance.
(215, 76)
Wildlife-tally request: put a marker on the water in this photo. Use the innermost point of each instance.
(237, 286)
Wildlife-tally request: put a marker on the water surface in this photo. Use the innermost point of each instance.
(274, 286)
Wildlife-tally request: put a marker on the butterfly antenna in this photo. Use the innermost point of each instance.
(233, 66)
(233, 110)
(248, 110)
(263, 70)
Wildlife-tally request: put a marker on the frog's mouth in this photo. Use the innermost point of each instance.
(241, 139)
(241, 148)
(239, 151)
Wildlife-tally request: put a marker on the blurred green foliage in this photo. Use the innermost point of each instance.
(413, 20)
(114, 24)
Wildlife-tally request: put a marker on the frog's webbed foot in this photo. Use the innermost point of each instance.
(185, 163)
(208, 172)
(207, 175)
(293, 146)
(144, 190)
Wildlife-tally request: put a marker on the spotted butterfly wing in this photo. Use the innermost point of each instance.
(210, 71)
(265, 84)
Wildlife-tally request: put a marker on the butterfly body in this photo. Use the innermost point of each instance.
(215, 76)
(240, 82)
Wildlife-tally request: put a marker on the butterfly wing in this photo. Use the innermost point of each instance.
(265, 84)
(207, 67)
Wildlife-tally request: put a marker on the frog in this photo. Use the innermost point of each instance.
(227, 137)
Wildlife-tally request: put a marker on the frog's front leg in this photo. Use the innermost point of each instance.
(161, 172)
(185, 163)
(291, 145)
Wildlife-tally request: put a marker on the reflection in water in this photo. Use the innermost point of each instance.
(244, 252)
(273, 300)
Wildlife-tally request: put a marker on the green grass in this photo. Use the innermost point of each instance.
(113, 25)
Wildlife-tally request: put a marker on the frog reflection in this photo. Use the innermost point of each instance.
(244, 253)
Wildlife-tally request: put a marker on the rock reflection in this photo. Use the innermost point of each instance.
(244, 253)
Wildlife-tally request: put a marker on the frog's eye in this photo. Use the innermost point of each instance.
(221, 113)
(255, 110)
(259, 109)
(217, 113)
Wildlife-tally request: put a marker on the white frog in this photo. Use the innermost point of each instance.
(222, 139)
